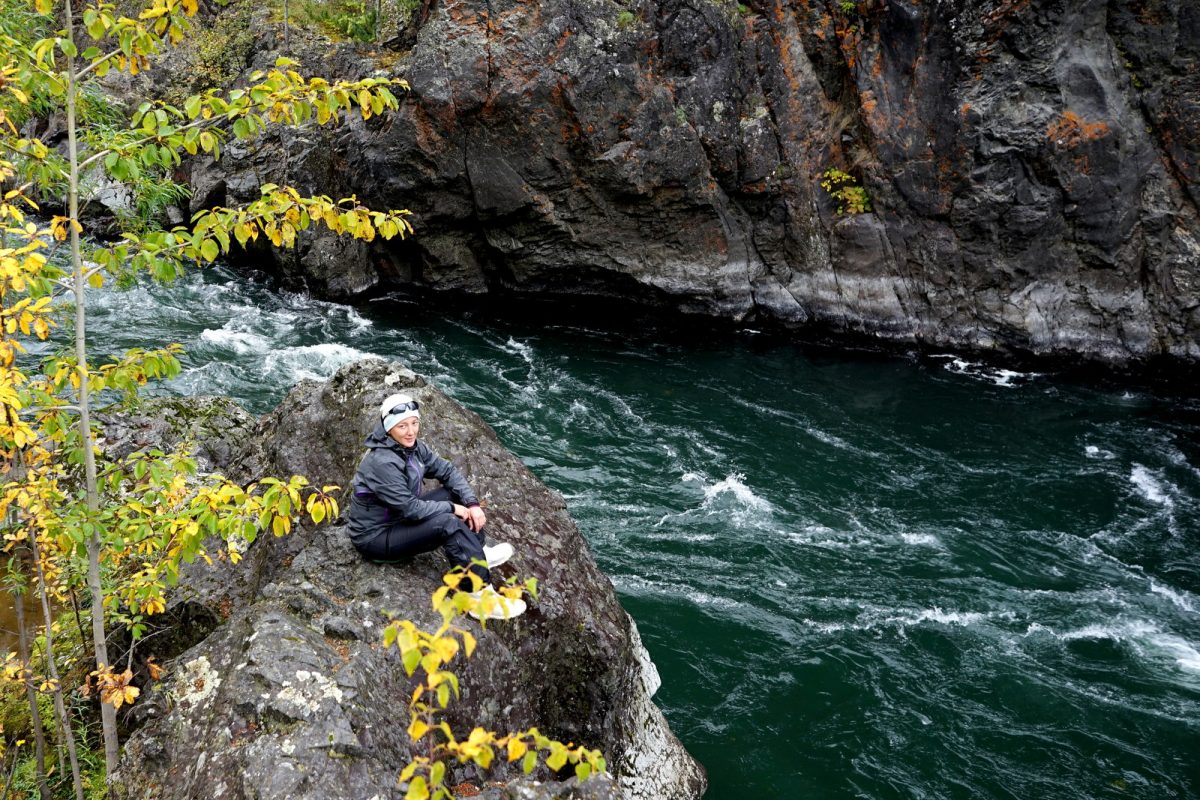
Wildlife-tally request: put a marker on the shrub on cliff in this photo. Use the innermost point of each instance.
(127, 524)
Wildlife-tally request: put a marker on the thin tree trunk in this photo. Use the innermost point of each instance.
(108, 716)
(64, 721)
(12, 771)
(78, 620)
(35, 714)
(286, 26)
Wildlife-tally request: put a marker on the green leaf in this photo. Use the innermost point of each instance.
(411, 659)
(191, 106)
(437, 773)
(558, 757)
(582, 771)
(529, 762)
(209, 250)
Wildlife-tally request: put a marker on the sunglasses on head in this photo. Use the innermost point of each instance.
(411, 405)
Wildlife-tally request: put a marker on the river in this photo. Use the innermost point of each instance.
(859, 577)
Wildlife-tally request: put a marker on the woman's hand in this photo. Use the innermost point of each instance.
(474, 516)
(478, 518)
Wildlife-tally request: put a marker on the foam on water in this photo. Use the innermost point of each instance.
(797, 422)
(733, 484)
(356, 319)
(1180, 599)
(518, 348)
(638, 585)
(729, 498)
(1092, 451)
(239, 341)
(1152, 487)
(899, 620)
(1117, 632)
(973, 369)
(311, 362)
(937, 615)
(1185, 653)
(1145, 637)
(921, 539)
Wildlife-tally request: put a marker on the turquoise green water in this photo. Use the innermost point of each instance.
(858, 577)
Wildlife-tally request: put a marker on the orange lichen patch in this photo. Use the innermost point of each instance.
(570, 130)
(512, 15)
(427, 136)
(964, 109)
(783, 46)
(465, 789)
(1007, 8)
(824, 25)
(1071, 130)
(1150, 14)
(848, 38)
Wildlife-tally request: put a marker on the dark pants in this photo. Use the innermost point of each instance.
(405, 539)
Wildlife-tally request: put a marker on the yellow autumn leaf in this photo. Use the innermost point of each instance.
(417, 728)
(417, 789)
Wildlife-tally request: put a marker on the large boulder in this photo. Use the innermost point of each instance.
(1031, 166)
(291, 693)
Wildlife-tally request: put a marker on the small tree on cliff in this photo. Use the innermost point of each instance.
(129, 525)
(430, 654)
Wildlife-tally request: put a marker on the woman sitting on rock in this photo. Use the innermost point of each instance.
(390, 518)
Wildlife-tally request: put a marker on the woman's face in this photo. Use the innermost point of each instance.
(405, 431)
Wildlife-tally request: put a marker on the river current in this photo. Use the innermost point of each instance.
(858, 577)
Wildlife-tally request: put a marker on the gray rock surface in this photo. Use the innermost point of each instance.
(213, 429)
(289, 693)
(1032, 165)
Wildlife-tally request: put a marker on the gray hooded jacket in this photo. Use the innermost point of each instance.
(387, 487)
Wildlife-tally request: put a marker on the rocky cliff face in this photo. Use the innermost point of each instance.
(284, 689)
(1031, 166)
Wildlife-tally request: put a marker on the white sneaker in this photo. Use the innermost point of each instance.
(496, 605)
(497, 554)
